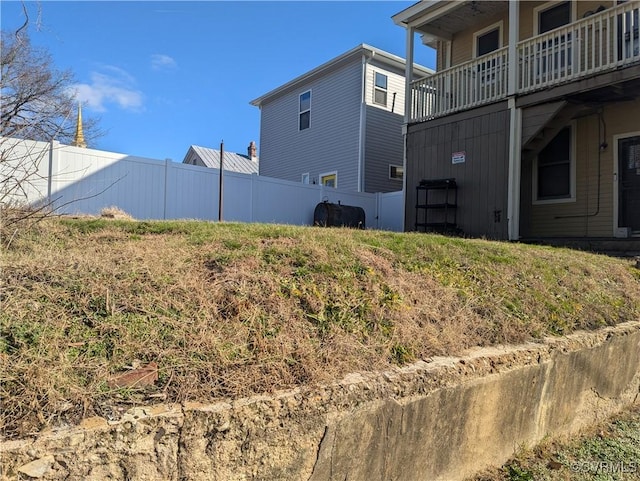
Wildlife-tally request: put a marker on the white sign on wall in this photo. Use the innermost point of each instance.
(458, 157)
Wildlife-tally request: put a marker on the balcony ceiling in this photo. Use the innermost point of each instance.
(465, 14)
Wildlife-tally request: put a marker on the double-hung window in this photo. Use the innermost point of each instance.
(380, 89)
(304, 111)
(553, 56)
(554, 169)
(486, 41)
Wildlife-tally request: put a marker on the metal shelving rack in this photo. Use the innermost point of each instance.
(436, 206)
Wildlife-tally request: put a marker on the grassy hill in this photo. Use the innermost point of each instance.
(229, 310)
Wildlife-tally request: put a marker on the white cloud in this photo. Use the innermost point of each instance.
(110, 85)
(162, 62)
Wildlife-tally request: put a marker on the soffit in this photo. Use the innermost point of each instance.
(460, 16)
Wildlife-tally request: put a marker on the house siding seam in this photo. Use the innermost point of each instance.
(331, 142)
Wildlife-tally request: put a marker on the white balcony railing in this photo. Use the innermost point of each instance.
(463, 86)
(601, 42)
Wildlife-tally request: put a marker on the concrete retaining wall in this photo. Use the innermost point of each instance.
(438, 419)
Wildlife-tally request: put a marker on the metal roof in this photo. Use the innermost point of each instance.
(232, 161)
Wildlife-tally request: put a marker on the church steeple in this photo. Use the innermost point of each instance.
(78, 140)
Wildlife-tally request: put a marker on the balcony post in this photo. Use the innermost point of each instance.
(514, 34)
(408, 73)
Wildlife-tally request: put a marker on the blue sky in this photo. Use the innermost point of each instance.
(166, 75)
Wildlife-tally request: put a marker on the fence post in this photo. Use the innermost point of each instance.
(253, 197)
(54, 165)
(166, 187)
(378, 209)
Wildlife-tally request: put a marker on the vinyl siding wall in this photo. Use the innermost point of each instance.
(482, 179)
(577, 219)
(330, 144)
(383, 147)
(383, 130)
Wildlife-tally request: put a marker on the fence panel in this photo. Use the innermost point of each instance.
(390, 211)
(24, 170)
(192, 192)
(84, 181)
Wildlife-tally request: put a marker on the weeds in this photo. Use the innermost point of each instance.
(230, 310)
(608, 451)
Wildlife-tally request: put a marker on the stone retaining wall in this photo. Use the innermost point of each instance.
(438, 419)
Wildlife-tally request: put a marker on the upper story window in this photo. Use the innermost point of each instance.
(488, 39)
(304, 110)
(380, 89)
(553, 15)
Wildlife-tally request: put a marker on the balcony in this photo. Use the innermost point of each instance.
(600, 43)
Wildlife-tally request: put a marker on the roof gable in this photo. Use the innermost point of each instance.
(232, 161)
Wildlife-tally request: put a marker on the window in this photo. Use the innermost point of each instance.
(329, 180)
(396, 172)
(554, 17)
(553, 56)
(380, 89)
(305, 110)
(554, 169)
(305, 178)
(487, 40)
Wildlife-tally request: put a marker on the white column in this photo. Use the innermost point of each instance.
(514, 34)
(408, 73)
(407, 112)
(515, 125)
(513, 186)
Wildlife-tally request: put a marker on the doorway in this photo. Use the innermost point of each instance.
(627, 178)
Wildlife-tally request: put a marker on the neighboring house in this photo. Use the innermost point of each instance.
(204, 157)
(339, 124)
(534, 111)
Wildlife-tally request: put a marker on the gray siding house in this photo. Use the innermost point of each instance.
(339, 124)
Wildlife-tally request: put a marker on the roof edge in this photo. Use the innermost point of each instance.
(362, 49)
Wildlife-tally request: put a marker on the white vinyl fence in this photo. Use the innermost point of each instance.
(84, 181)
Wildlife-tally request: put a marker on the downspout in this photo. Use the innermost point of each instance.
(515, 126)
(408, 75)
(363, 119)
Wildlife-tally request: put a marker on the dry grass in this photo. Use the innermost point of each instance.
(114, 212)
(228, 310)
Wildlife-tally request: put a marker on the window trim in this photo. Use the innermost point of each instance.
(572, 174)
(308, 178)
(546, 6)
(300, 111)
(398, 167)
(333, 173)
(499, 26)
(376, 88)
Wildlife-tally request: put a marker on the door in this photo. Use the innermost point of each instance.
(629, 185)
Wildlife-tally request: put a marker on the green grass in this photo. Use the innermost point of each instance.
(608, 451)
(230, 309)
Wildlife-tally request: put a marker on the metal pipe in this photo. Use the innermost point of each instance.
(220, 187)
